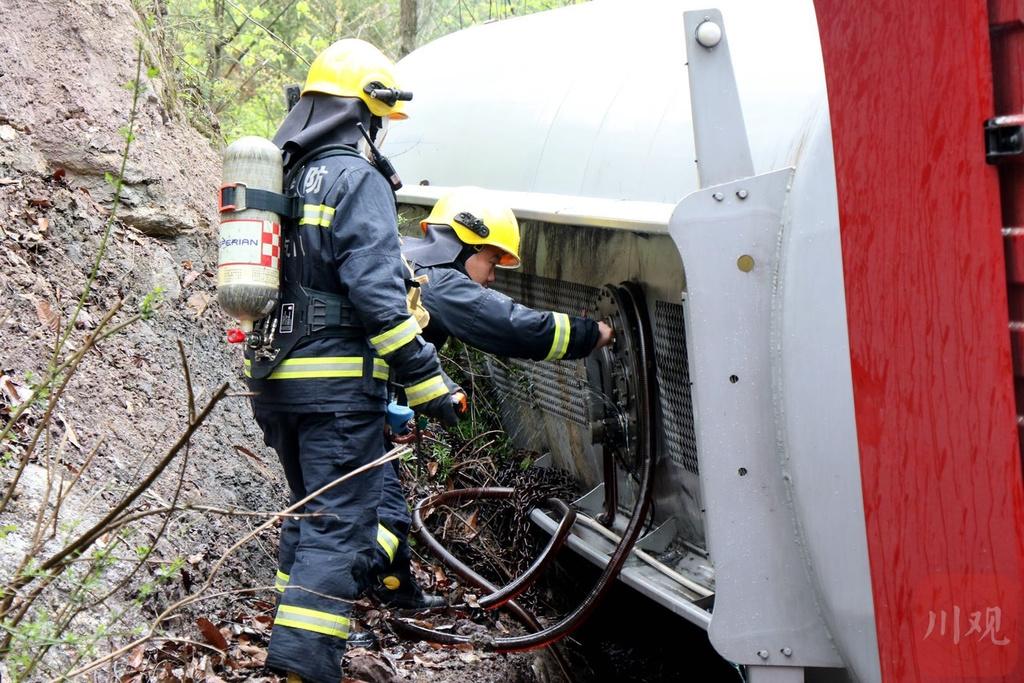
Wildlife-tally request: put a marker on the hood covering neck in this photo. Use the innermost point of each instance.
(318, 120)
(440, 247)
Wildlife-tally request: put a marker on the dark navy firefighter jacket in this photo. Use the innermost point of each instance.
(346, 242)
(492, 322)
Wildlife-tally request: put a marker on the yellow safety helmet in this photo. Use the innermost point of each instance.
(478, 219)
(354, 68)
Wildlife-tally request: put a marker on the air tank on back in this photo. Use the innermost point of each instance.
(248, 270)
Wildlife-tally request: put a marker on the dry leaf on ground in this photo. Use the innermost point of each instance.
(198, 302)
(16, 392)
(46, 315)
(212, 634)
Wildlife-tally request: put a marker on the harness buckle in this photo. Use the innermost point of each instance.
(232, 197)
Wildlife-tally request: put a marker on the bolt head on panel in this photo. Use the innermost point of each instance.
(709, 34)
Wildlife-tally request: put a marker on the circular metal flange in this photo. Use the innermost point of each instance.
(623, 378)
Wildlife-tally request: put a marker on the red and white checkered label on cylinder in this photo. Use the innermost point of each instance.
(271, 245)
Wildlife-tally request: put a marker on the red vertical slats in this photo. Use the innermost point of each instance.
(910, 87)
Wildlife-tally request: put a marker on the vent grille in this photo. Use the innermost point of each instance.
(546, 294)
(674, 383)
(558, 388)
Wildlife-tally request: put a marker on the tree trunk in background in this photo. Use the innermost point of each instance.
(407, 27)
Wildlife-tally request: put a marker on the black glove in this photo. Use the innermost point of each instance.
(441, 409)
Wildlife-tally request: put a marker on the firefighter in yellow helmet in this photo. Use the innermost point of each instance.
(341, 327)
(467, 235)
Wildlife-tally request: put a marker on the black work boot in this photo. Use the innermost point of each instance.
(363, 639)
(398, 590)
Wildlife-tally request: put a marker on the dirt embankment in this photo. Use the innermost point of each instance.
(63, 107)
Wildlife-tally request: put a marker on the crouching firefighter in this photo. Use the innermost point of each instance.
(468, 234)
(319, 369)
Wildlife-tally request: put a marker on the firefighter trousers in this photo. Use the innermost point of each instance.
(326, 559)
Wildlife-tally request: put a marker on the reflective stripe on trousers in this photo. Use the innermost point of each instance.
(312, 620)
(388, 541)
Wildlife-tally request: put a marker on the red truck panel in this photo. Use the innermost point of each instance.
(910, 86)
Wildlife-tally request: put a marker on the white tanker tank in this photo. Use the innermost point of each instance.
(703, 176)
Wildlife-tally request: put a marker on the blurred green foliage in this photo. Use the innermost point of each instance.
(225, 62)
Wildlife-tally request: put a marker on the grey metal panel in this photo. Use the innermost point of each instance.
(765, 599)
(635, 574)
(817, 429)
(581, 212)
(775, 674)
(720, 136)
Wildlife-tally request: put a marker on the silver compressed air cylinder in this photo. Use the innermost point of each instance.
(248, 257)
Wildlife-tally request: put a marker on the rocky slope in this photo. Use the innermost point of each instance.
(63, 107)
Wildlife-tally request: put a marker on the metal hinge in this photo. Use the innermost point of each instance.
(1004, 137)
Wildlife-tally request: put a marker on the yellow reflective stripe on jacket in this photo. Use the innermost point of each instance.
(312, 620)
(388, 541)
(426, 390)
(380, 369)
(560, 343)
(281, 581)
(325, 367)
(397, 337)
(314, 214)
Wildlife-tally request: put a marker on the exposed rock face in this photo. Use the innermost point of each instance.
(63, 65)
(65, 93)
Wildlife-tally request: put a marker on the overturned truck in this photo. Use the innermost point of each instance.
(799, 335)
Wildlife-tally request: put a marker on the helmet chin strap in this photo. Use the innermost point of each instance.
(378, 129)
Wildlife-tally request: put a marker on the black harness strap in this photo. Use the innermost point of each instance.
(302, 312)
(238, 197)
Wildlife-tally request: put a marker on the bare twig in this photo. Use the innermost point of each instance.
(51, 406)
(393, 454)
(268, 32)
(188, 383)
(53, 566)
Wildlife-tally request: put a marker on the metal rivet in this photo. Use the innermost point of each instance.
(745, 263)
(788, 651)
(709, 34)
(742, 471)
(742, 194)
(734, 379)
(718, 196)
(763, 654)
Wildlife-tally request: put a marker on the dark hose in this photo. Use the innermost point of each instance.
(568, 624)
(463, 570)
(509, 592)
(497, 597)
(622, 551)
